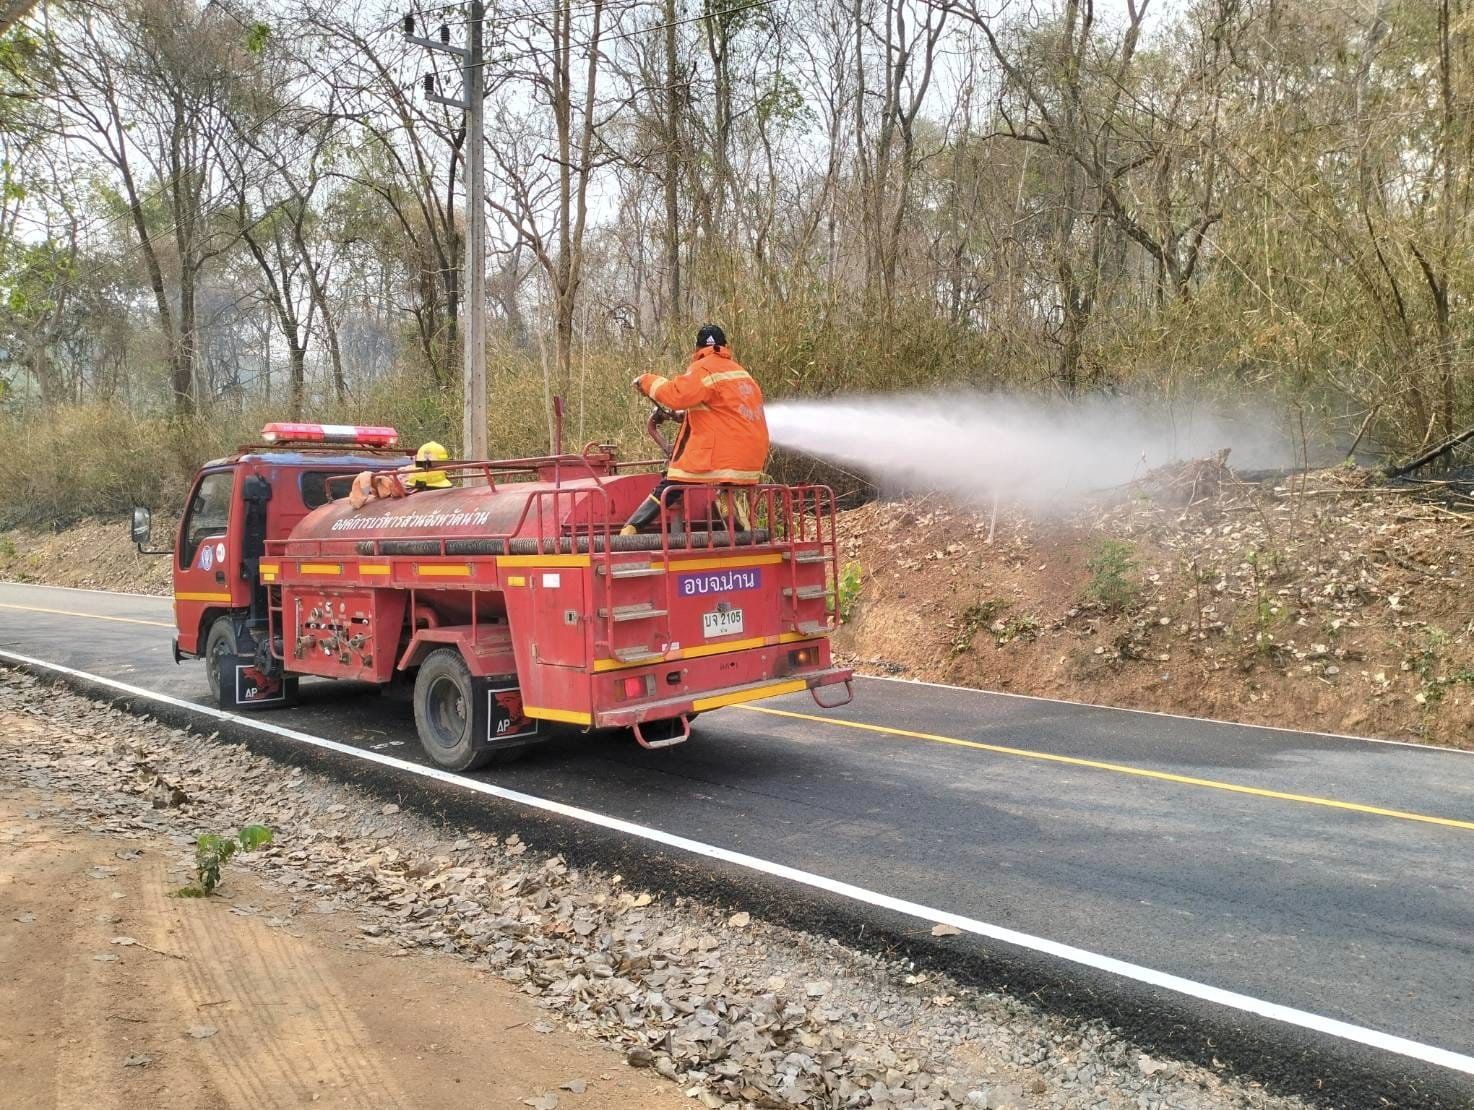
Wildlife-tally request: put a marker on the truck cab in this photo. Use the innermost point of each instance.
(239, 502)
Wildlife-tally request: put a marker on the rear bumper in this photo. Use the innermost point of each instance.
(691, 703)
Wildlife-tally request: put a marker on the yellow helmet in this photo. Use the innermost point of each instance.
(426, 457)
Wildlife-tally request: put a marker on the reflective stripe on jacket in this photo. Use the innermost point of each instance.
(725, 435)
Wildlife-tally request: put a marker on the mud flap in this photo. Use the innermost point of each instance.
(243, 686)
(499, 720)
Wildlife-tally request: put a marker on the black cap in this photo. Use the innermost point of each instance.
(709, 335)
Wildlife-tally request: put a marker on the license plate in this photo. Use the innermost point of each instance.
(720, 623)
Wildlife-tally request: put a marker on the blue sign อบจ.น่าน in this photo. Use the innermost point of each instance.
(719, 582)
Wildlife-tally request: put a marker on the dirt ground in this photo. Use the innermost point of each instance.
(92, 555)
(119, 995)
(1317, 605)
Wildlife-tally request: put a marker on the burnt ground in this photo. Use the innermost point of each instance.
(1321, 603)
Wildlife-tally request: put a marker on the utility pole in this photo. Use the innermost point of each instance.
(473, 293)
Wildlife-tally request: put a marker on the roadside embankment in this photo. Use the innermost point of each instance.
(1320, 604)
(92, 554)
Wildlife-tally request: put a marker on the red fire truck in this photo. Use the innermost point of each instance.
(507, 597)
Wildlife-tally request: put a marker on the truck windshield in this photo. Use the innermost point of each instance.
(209, 513)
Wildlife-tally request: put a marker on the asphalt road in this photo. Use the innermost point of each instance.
(1328, 874)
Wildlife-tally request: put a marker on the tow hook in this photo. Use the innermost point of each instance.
(678, 727)
(823, 703)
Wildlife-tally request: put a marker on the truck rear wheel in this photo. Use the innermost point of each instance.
(444, 717)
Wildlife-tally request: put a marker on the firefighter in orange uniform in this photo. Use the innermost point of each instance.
(724, 438)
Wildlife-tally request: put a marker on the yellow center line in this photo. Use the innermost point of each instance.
(89, 616)
(1121, 769)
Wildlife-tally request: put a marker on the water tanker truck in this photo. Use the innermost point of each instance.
(507, 599)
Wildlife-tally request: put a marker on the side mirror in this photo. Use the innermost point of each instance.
(142, 526)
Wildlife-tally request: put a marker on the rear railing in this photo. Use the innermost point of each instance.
(799, 522)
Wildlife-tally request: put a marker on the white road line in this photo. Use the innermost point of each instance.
(1167, 716)
(82, 590)
(1372, 1038)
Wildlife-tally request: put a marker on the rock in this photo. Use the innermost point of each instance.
(639, 1056)
(138, 1060)
(739, 920)
(943, 930)
(1006, 1098)
(1149, 1067)
(576, 1086)
(817, 989)
(202, 1032)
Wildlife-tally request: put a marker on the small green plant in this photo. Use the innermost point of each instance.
(1022, 627)
(1267, 610)
(849, 590)
(7, 548)
(1427, 664)
(973, 620)
(1111, 569)
(211, 853)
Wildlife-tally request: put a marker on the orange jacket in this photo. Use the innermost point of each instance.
(725, 435)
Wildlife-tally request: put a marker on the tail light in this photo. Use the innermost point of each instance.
(642, 686)
(804, 657)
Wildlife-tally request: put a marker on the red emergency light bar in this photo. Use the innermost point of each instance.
(280, 432)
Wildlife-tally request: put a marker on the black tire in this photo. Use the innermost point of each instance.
(220, 641)
(443, 692)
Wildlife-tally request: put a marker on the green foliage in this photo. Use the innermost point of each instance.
(257, 37)
(1020, 627)
(1112, 567)
(849, 590)
(213, 851)
(1429, 664)
(973, 620)
(1267, 612)
(985, 615)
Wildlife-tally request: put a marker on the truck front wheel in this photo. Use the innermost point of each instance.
(444, 715)
(219, 643)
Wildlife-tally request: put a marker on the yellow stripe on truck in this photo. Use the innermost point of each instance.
(679, 566)
(701, 705)
(549, 561)
(203, 597)
(566, 716)
(443, 570)
(601, 665)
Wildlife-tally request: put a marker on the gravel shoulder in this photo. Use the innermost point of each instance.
(440, 954)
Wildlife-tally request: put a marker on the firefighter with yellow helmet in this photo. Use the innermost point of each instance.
(422, 474)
